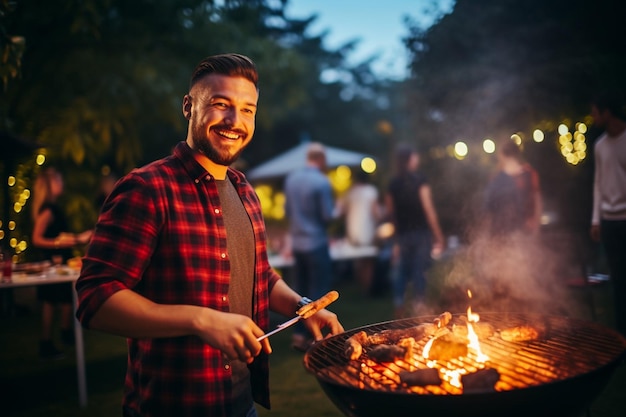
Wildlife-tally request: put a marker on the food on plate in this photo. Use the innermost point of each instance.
(75, 262)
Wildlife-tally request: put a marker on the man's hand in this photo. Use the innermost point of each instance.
(233, 334)
(323, 321)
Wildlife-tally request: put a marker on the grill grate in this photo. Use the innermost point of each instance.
(570, 348)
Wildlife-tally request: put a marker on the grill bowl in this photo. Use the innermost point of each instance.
(580, 355)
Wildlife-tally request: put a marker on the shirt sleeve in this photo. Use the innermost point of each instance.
(120, 248)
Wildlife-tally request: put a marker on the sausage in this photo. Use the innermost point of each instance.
(313, 307)
(354, 345)
(443, 319)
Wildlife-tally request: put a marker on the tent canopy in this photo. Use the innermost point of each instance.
(294, 158)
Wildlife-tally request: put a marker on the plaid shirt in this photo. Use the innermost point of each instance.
(161, 234)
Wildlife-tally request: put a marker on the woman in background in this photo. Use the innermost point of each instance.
(512, 198)
(55, 243)
(418, 236)
(361, 211)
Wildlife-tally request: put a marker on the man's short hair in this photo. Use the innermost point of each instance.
(316, 152)
(610, 101)
(235, 65)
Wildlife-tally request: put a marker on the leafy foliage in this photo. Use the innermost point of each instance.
(497, 66)
(101, 81)
(492, 68)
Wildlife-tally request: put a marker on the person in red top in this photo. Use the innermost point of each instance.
(178, 264)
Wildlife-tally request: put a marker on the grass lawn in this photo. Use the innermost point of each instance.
(31, 387)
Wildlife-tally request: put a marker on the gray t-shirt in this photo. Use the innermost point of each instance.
(240, 245)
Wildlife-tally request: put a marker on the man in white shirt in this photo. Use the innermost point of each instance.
(608, 222)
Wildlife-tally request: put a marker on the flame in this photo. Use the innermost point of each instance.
(427, 346)
(474, 344)
(453, 376)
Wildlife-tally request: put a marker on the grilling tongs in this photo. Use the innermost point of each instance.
(305, 312)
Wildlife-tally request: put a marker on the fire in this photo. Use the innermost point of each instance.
(474, 344)
(453, 376)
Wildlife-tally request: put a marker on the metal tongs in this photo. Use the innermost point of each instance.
(304, 312)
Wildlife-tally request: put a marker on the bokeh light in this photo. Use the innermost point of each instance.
(460, 150)
(368, 165)
(489, 146)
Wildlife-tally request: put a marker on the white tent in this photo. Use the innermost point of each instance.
(288, 161)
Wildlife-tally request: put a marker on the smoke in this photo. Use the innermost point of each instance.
(516, 273)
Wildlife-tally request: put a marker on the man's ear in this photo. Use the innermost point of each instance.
(187, 106)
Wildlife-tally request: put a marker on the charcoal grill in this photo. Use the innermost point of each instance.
(559, 374)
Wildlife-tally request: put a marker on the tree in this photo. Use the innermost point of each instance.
(495, 67)
(101, 82)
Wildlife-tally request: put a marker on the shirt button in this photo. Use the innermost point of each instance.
(217, 211)
(196, 181)
(223, 255)
(227, 367)
(224, 298)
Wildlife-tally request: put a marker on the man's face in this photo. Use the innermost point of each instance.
(599, 117)
(221, 112)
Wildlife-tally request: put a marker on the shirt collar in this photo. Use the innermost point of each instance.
(185, 154)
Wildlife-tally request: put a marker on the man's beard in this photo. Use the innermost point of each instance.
(214, 153)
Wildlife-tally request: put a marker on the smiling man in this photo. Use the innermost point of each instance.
(178, 264)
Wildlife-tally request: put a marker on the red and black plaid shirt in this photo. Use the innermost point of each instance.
(161, 234)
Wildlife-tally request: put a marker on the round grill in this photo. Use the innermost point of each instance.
(559, 373)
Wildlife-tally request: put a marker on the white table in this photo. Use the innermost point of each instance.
(340, 250)
(57, 275)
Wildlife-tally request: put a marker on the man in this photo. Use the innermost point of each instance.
(309, 207)
(418, 235)
(178, 263)
(608, 222)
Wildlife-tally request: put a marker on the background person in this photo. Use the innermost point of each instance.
(507, 250)
(178, 263)
(54, 242)
(360, 208)
(608, 222)
(309, 208)
(513, 197)
(417, 235)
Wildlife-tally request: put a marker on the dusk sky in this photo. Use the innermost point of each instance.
(379, 25)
